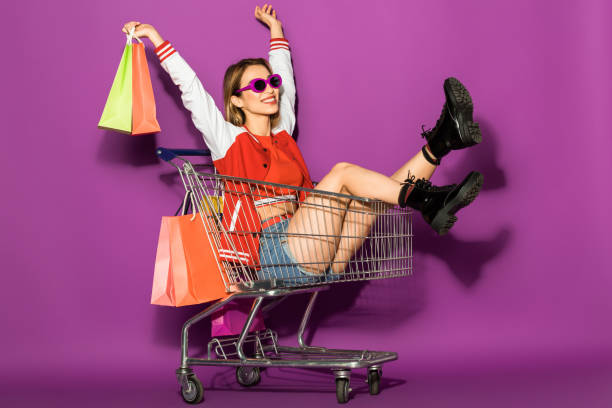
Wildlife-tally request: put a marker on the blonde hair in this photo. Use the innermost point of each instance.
(231, 83)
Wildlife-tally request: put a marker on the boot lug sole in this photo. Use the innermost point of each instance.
(460, 109)
(445, 218)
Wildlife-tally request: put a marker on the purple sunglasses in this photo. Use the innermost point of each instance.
(259, 84)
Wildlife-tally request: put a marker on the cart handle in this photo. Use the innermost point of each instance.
(169, 154)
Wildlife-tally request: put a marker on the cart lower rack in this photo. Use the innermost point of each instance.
(272, 241)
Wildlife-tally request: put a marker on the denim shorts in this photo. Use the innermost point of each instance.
(278, 263)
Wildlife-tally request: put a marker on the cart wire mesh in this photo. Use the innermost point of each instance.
(269, 235)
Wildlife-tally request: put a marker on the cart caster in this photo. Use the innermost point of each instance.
(192, 392)
(342, 390)
(374, 375)
(260, 356)
(248, 376)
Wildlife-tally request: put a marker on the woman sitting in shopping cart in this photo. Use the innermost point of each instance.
(254, 141)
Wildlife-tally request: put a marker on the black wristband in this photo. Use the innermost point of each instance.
(428, 157)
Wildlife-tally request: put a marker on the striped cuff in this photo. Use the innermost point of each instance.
(164, 51)
(279, 44)
(228, 254)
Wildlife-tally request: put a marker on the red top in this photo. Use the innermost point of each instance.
(283, 170)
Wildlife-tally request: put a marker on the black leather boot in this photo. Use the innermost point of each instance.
(438, 205)
(455, 129)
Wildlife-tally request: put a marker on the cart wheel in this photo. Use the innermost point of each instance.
(374, 381)
(194, 393)
(248, 376)
(342, 390)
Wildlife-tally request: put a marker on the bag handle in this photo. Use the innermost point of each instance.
(184, 207)
(131, 35)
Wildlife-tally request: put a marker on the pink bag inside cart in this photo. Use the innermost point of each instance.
(230, 319)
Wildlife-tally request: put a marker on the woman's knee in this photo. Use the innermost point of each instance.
(334, 180)
(340, 168)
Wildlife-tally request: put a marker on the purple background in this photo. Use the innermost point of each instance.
(513, 307)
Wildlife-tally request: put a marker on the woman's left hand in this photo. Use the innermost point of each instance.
(266, 15)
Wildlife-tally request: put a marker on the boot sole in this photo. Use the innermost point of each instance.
(445, 218)
(461, 108)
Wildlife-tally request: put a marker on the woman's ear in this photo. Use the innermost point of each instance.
(236, 101)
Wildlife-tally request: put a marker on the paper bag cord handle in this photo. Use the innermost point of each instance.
(184, 207)
(131, 35)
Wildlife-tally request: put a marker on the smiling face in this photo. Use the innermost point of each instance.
(256, 103)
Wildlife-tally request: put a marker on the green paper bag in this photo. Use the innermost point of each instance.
(117, 114)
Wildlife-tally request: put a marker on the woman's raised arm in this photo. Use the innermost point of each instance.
(217, 132)
(280, 60)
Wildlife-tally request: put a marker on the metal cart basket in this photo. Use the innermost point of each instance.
(375, 242)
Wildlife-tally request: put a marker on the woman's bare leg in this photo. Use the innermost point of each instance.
(356, 225)
(418, 166)
(314, 231)
(360, 217)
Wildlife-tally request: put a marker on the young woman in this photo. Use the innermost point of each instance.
(254, 141)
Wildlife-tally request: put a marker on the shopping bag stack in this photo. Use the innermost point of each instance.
(187, 272)
(130, 107)
(186, 268)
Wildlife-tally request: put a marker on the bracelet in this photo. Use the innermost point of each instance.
(428, 157)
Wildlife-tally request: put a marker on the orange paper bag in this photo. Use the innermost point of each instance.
(143, 103)
(186, 271)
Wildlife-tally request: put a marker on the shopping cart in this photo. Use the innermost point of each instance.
(377, 240)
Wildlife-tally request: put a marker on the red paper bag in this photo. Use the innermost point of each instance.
(143, 103)
(186, 269)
